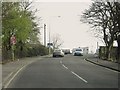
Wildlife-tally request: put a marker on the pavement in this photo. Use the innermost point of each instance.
(104, 63)
(10, 69)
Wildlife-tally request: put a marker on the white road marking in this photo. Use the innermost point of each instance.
(79, 77)
(64, 66)
(8, 77)
(74, 73)
(14, 76)
(112, 70)
(61, 62)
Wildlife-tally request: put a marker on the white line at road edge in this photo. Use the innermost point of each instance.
(15, 75)
(79, 77)
(64, 66)
(105, 68)
(112, 70)
(8, 77)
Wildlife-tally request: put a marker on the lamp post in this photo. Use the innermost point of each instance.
(44, 34)
(97, 46)
(50, 32)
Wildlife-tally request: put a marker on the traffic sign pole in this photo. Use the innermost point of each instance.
(49, 45)
(13, 54)
(13, 42)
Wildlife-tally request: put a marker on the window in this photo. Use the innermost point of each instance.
(78, 50)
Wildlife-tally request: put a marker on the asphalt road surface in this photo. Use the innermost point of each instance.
(67, 72)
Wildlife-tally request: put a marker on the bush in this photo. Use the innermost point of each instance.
(26, 51)
(35, 50)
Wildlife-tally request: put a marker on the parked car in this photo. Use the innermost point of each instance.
(58, 53)
(78, 52)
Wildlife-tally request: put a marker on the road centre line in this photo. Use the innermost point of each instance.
(64, 66)
(61, 62)
(74, 73)
(79, 77)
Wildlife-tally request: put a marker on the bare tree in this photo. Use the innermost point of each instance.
(57, 42)
(117, 15)
(102, 18)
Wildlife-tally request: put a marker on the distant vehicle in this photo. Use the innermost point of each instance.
(78, 52)
(58, 53)
(66, 51)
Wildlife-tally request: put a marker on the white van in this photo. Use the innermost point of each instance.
(78, 52)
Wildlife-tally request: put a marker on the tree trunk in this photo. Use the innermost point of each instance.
(108, 50)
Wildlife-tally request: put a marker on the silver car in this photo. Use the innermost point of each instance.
(58, 53)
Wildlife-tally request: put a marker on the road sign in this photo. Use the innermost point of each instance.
(50, 44)
(13, 40)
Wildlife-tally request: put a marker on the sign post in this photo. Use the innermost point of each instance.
(13, 42)
(49, 45)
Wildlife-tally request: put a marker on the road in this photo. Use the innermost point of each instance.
(67, 72)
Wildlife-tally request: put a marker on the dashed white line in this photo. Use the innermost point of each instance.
(79, 77)
(61, 62)
(74, 73)
(64, 66)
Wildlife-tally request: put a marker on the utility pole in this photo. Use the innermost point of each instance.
(97, 46)
(49, 38)
(50, 32)
(44, 34)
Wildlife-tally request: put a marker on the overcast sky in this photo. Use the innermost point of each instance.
(73, 32)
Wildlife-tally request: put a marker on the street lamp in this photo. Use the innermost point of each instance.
(50, 44)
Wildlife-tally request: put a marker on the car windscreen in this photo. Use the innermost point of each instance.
(57, 51)
(78, 50)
